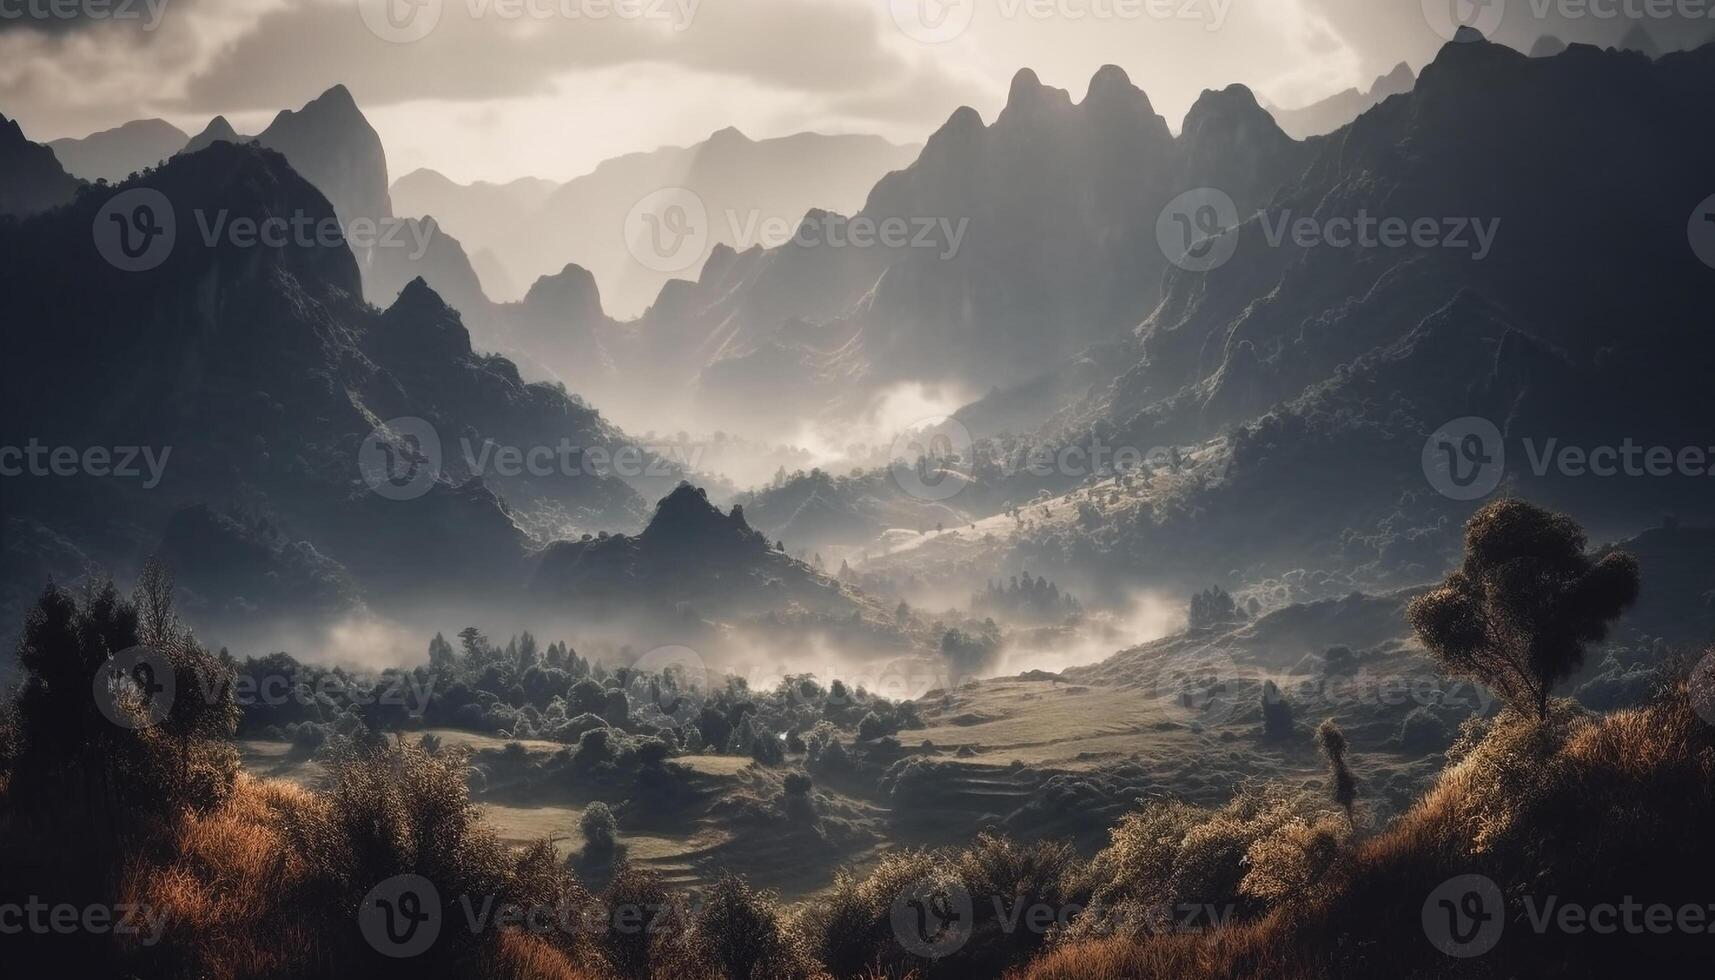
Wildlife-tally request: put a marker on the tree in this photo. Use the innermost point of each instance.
(1520, 611)
(1332, 742)
(601, 833)
(1276, 712)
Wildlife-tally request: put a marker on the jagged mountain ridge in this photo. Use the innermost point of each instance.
(31, 178)
(264, 370)
(115, 154)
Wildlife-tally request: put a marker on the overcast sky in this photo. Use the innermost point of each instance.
(496, 89)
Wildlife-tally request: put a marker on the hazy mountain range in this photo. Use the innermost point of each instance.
(1337, 110)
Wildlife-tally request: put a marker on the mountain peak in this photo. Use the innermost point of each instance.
(685, 517)
(730, 136)
(571, 292)
(1109, 82)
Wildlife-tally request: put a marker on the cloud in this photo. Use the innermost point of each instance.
(835, 48)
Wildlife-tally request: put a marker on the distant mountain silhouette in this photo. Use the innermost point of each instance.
(31, 179)
(584, 220)
(1058, 202)
(480, 214)
(116, 154)
(333, 146)
(218, 130)
(1341, 108)
(691, 553)
(1547, 46)
(265, 372)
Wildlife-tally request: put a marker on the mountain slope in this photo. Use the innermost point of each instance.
(31, 179)
(115, 154)
(1327, 115)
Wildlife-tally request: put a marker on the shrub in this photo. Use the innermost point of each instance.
(738, 934)
(601, 833)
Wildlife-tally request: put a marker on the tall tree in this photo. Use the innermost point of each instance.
(1528, 600)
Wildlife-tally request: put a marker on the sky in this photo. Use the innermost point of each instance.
(499, 89)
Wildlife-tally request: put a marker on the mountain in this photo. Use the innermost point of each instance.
(1337, 110)
(480, 213)
(421, 250)
(1030, 239)
(31, 178)
(743, 184)
(1547, 46)
(218, 130)
(115, 154)
(692, 560)
(267, 385)
(333, 146)
(1638, 39)
(1322, 370)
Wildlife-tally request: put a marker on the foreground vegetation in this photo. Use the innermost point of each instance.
(242, 877)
